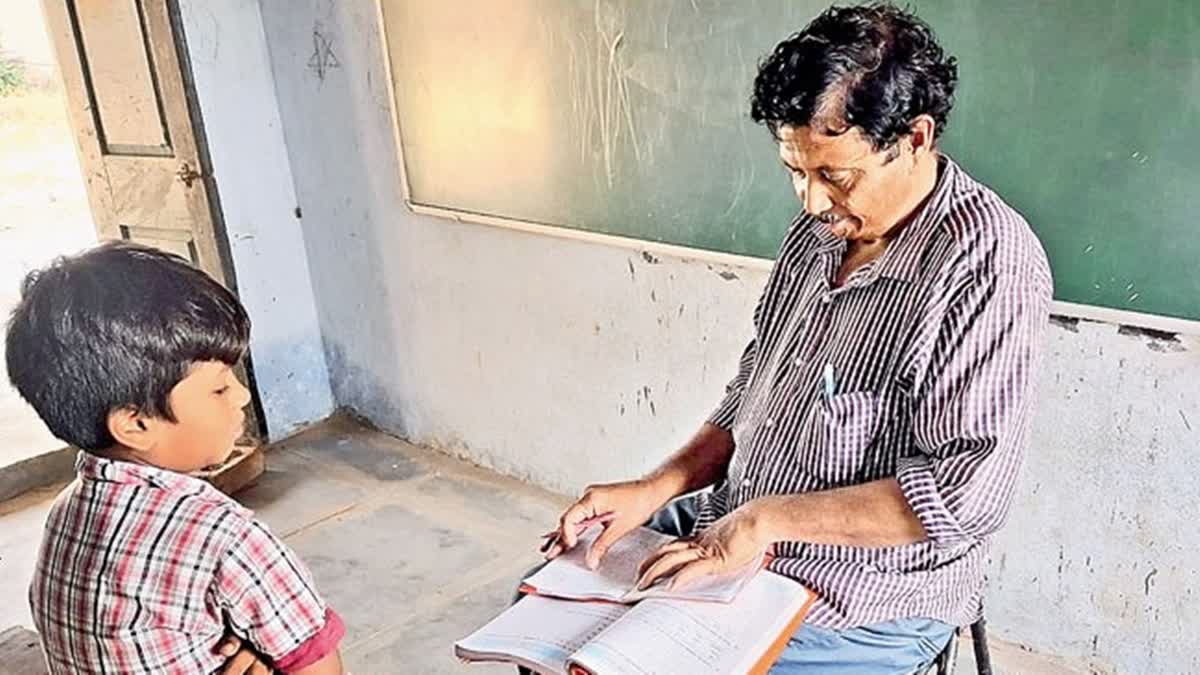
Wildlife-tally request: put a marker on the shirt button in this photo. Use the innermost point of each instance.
(745, 482)
(826, 299)
(798, 362)
(770, 422)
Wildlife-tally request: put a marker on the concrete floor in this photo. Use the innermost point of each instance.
(414, 549)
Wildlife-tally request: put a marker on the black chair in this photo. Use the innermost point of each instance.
(945, 662)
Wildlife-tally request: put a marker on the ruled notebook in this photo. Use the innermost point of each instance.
(656, 635)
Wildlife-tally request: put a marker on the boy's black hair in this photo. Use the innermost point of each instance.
(116, 326)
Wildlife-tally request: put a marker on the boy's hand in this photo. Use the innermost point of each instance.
(241, 660)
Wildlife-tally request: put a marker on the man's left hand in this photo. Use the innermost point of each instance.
(734, 541)
(241, 660)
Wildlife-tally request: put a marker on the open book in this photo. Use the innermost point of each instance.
(660, 636)
(568, 577)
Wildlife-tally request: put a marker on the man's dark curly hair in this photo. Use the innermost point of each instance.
(875, 67)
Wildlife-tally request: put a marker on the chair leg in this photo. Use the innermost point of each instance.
(983, 658)
(948, 659)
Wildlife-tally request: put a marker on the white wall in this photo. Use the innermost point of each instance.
(567, 363)
(235, 88)
(1099, 557)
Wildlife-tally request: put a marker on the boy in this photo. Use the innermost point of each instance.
(126, 353)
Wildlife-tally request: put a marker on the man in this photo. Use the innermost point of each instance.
(874, 430)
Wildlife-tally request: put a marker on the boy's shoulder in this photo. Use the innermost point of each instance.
(184, 550)
(129, 496)
(91, 467)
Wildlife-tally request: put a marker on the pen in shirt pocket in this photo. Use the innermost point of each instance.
(830, 381)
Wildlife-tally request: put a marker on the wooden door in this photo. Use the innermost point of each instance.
(139, 132)
(129, 105)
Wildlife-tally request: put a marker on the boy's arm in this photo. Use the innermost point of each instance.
(330, 664)
(269, 599)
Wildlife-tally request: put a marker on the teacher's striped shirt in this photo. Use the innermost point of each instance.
(932, 351)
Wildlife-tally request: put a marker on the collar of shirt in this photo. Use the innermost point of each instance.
(99, 469)
(902, 258)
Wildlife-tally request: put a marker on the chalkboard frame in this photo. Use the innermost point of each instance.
(1167, 325)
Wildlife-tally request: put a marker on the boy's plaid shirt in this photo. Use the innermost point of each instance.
(145, 570)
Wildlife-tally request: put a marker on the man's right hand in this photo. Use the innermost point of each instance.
(630, 504)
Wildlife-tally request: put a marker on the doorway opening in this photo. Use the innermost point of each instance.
(100, 138)
(44, 211)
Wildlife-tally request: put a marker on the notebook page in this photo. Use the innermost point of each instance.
(539, 631)
(567, 576)
(664, 637)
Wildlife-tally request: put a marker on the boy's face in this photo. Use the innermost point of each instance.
(208, 405)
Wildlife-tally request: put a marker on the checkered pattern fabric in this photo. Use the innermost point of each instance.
(143, 570)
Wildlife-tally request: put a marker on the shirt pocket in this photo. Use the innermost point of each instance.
(841, 430)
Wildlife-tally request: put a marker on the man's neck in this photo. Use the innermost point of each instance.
(924, 182)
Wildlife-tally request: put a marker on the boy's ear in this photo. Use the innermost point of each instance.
(132, 429)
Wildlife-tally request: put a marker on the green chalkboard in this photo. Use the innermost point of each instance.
(630, 117)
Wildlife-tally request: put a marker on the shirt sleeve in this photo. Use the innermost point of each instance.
(974, 403)
(727, 411)
(269, 600)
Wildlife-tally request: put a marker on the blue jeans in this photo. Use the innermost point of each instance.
(903, 646)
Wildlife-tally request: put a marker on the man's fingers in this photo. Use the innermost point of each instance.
(554, 552)
(666, 565)
(677, 545)
(240, 664)
(692, 571)
(608, 536)
(259, 668)
(579, 512)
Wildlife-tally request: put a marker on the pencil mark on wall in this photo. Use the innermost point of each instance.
(323, 59)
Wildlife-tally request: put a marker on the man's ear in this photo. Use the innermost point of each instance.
(921, 135)
(132, 429)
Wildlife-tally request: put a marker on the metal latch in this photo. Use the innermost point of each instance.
(186, 174)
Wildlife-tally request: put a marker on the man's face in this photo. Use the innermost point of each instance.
(208, 407)
(857, 191)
